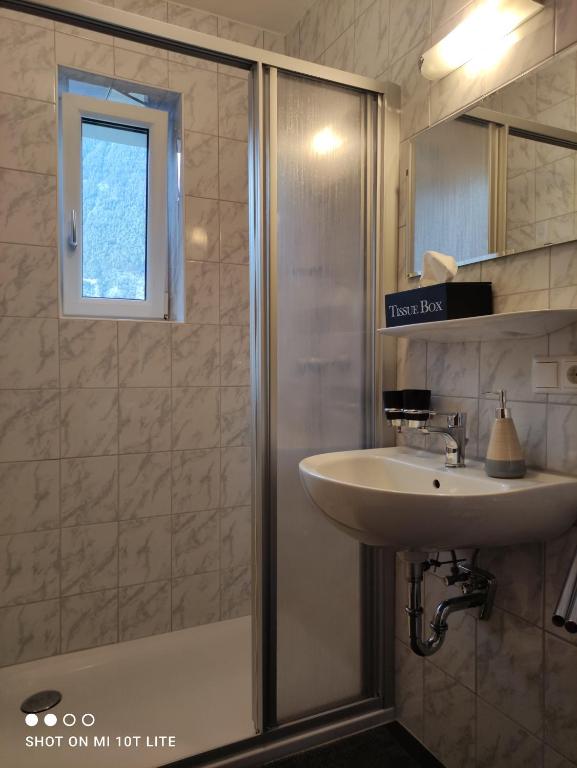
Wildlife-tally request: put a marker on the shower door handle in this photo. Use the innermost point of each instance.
(73, 232)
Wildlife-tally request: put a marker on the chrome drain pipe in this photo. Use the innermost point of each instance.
(566, 611)
(478, 592)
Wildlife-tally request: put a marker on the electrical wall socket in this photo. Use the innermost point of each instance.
(555, 375)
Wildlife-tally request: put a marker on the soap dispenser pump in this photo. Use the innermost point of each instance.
(504, 455)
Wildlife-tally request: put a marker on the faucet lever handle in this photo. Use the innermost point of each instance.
(454, 418)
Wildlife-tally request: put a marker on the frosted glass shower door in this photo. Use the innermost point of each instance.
(319, 387)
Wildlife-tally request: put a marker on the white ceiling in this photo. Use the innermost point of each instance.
(276, 15)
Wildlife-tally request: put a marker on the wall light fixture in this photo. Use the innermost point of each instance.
(486, 25)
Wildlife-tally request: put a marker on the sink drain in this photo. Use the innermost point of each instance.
(40, 702)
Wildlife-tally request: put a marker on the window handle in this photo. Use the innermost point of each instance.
(73, 237)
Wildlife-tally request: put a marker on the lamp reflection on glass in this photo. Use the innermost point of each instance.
(326, 141)
(483, 31)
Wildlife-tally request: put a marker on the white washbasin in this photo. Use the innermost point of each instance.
(408, 499)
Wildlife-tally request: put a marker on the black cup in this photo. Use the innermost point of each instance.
(417, 404)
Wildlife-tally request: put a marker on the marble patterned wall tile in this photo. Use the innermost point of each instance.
(27, 135)
(143, 610)
(88, 353)
(236, 592)
(29, 632)
(274, 41)
(143, 550)
(516, 274)
(554, 760)
(141, 68)
(341, 54)
(28, 281)
(449, 719)
(29, 567)
(28, 424)
(195, 543)
(293, 42)
(28, 353)
(89, 620)
(234, 294)
(233, 170)
(504, 365)
(235, 356)
(144, 485)
(521, 302)
(195, 418)
(235, 537)
(200, 165)
(563, 265)
(144, 420)
(30, 498)
(371, 48)
(560, 699)
(519, 574)
(442, 10)
(201, 229)
(312, 33)
(453, 369)
(561, 444)
(409, 679)
(531, 424)
(501, 743)
(88, 422)
(510, 668)
(195, 355)
(202, 292)
(409, 26)
(87, 34)
(233, 107)
(89, 558)
(26, 18)
(414, 92)
(200, 97)
(77, 52)
(191, 18)
(144, 357)
(153, 9)
(88, 490)
(195, 480)
(240, 33)
(234, 238)
(235, 477)
(27, 60)
(195, 600)
(555, 189)
(338, 16)
(235, 403)
(27, 208)
(563, 298)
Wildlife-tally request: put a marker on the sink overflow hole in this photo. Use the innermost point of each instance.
(41, 701)
(436, 483)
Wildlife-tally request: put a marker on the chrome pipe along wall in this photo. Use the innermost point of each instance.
(566, 611)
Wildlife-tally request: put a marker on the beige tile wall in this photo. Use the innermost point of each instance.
(124, 446)
(500, 693)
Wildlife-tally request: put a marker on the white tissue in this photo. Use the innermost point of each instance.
(437, 268)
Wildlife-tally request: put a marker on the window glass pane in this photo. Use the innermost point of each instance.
(114, 210)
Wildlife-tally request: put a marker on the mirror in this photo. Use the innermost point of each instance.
(500, 179)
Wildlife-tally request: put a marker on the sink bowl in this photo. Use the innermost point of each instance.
(408, 499)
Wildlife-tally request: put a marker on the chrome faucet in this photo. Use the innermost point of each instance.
(454, 435)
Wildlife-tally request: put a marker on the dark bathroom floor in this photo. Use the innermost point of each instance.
(389, 746)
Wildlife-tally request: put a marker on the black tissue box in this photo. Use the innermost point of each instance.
(445, 301)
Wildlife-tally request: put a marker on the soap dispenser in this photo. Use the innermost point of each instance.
(504, 455)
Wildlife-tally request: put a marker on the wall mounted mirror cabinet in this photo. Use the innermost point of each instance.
(506, 167)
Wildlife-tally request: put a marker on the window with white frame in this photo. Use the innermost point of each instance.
(113, 208)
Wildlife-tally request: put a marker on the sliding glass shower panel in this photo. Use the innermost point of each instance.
(320, 392)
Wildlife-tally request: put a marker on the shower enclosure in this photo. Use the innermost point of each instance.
(322, 157)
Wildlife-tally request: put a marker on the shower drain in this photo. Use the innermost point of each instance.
(40, 702)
